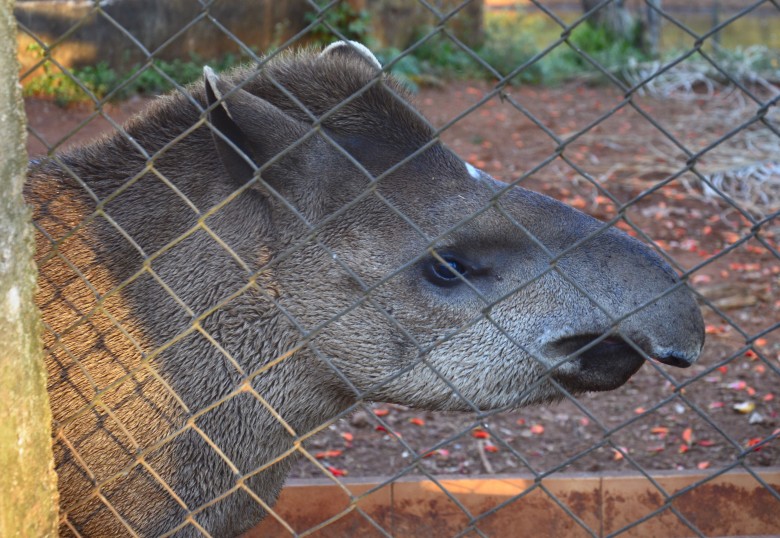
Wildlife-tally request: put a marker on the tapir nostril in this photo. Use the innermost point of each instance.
(674, 360)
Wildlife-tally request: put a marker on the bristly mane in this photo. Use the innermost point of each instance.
(378, 113)
(380, 110)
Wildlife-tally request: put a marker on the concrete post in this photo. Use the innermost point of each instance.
(28, 492)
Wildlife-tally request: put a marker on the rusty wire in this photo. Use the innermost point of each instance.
(711, 184)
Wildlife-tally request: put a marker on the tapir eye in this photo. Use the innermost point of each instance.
(446, 273)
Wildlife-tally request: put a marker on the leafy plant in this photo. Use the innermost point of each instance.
(508, 44)
(506, 49)
(408, 68)
(52, 81)
(102, 80)
(350, 23)
(609, 50)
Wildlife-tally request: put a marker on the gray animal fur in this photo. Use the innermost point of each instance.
(129, 370)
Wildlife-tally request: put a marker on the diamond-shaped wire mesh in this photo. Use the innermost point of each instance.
(232, 279)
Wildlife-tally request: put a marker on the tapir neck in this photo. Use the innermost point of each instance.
(202, 333)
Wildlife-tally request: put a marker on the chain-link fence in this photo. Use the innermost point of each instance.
(231, 279)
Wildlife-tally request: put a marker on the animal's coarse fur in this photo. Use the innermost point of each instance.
(196, 328)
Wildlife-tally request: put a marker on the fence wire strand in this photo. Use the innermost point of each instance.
(685, 163)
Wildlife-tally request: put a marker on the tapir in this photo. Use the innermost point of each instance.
(252, 257)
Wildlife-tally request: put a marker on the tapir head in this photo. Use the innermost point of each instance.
(417, 278)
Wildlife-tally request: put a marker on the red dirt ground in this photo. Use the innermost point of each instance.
(646, 423)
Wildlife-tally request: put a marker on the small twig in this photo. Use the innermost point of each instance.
(483, 457)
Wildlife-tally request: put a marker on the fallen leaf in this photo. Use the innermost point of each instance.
(480, 434)
(417, 421)
(745, 266)
(660, 431)
(328, 454)
(348, 437)
(687, 436)
(744, 407)
(577, 202)
(490, 447)
(537, 429)
(705, 442)
(737, 385)
(335, 471)
(381, 412)
(702, 465)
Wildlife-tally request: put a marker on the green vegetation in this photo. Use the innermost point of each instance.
(103, 81)
(350, 23)
(610, 52)
(507, 47)
(512, 40)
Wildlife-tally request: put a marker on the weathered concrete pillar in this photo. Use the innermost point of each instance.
(28, 487)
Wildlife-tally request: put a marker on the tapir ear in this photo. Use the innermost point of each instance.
(351, 49)
(253, 130)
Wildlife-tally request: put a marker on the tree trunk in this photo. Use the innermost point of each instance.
(653, 28)
(28, 492)
(613, 16)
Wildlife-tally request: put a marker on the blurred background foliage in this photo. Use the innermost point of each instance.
(495, 40)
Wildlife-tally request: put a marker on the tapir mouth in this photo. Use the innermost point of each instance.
(604, 365)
